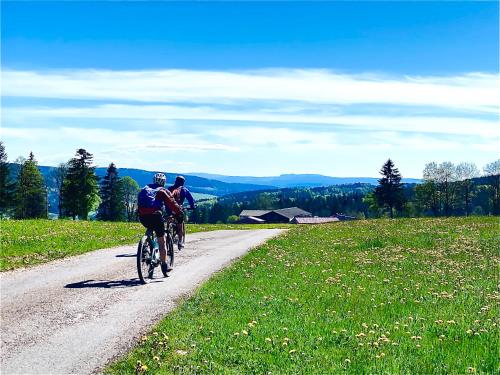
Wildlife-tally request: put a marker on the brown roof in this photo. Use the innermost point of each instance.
(314, 220)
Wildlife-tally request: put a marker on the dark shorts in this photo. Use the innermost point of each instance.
(154, 222)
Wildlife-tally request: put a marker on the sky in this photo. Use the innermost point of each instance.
(252, 88)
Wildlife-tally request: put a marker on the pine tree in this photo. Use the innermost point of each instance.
(80, 190)
(389, 192)
(31, 194)
(112, 205)
(6, 185)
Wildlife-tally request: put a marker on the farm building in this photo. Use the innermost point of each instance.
(283, 215)
(314, 220)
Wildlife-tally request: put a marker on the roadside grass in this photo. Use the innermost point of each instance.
(409, 296)
(29, 242)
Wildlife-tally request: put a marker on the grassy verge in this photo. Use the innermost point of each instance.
(29, 242)
(415, 296)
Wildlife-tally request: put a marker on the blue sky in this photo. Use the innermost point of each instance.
(252, 88)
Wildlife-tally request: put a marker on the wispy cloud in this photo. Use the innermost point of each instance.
(474, 91)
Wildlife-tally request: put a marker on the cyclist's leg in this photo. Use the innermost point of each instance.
(180, 234)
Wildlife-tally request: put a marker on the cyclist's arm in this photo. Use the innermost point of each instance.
(170, 202)
(189, 198)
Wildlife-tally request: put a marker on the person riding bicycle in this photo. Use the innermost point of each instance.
(180, 193)
(151, 200)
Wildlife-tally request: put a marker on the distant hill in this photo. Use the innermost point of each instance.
(195, 184)
(297, 180)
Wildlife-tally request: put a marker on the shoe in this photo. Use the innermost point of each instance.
(165, 268)
(180, 246)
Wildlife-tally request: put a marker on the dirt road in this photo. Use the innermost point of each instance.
(73, 316)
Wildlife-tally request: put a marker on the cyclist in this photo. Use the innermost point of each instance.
(180, 193)
(152, 198)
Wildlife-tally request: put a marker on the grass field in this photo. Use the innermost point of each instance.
(410, 296)
(29, 242)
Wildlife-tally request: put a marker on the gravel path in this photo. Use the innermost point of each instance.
(75, 315)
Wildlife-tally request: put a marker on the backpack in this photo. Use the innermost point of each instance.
(146, 197)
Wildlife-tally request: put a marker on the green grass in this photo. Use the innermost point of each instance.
(29, 242)
(410, 296)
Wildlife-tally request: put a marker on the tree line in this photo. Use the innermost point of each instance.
(446, 190)
(79, 190)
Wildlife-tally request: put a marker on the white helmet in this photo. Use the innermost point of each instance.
(160, 179)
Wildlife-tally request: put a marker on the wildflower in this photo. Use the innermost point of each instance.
(471, 370)
(347, 360)
(244, 332)
(156, 358)
(268, 339)
(292, 351)
(236, 334)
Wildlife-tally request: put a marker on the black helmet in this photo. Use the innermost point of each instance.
(180, 180)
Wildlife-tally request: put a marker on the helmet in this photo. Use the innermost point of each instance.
(180, 180)
(160, 179)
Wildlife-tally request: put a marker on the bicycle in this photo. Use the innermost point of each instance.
(172, 225)
(148, 252)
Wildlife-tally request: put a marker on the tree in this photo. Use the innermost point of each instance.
(465, 172)
(389, 192)
(31, 194)
(111, 207)
(130, 189)
(58, 175)
(80, 190)
(7, 187)
(446, 175)
(428, 193)
(492, 171)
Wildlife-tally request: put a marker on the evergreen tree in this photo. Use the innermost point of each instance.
(130, 189)
(6, 185)
(389, 192)
(31, 194)
(112, 205)
(80, 190)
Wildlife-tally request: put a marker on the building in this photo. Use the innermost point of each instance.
(314, 220)
(283, 215)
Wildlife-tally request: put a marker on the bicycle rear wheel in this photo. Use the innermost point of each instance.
(144, 257)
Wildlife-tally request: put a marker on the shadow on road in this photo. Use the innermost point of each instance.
(106, 283)
(126, 255)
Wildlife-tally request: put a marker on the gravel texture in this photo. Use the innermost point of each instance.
(75, 315)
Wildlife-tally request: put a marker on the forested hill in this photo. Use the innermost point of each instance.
(298, 180)
(320, 201)
(196, 184)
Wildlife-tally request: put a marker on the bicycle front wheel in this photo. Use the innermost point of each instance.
(170, 251)
(144, 259)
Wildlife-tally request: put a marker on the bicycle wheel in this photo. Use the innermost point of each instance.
(170, 250)
(144, 255)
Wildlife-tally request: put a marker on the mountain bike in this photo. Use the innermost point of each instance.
(148, 252)
(172, 225)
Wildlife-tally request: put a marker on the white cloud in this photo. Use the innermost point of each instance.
(475, 91)
(422, 124)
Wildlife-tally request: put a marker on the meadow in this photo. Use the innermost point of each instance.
(29, 242)
(408, 296)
